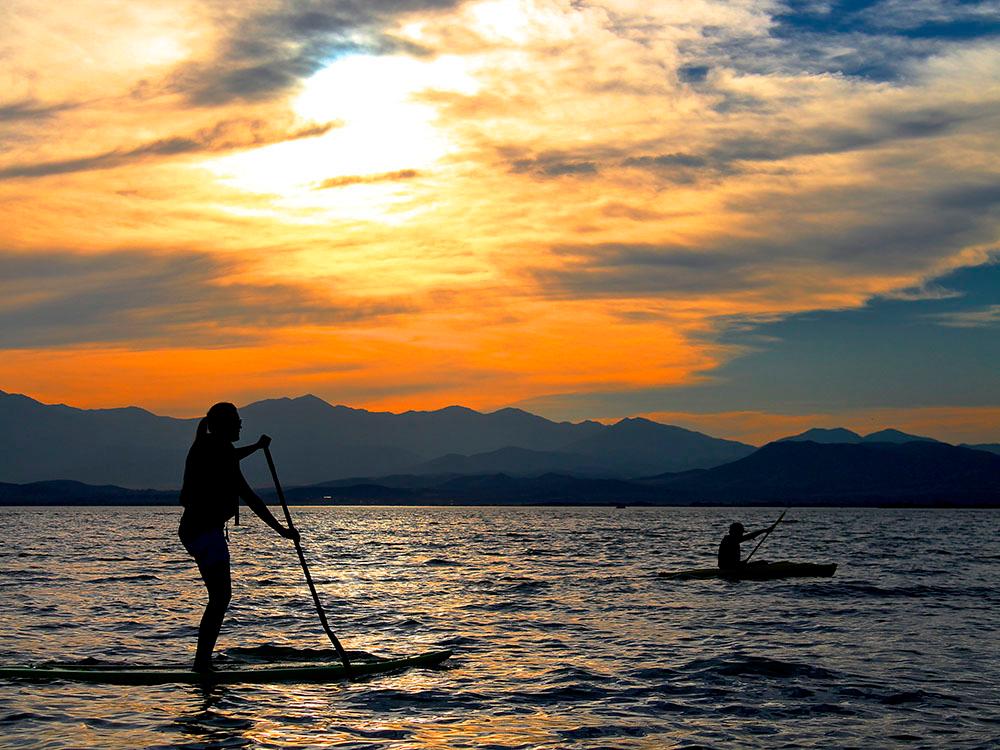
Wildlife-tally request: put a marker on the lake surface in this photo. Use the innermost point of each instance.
(563, 635)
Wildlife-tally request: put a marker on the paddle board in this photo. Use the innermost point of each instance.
(226, 675)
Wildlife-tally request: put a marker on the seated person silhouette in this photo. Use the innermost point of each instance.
(729, 549)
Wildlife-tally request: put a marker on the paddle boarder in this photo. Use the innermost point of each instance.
(213, 486)
(729, 549)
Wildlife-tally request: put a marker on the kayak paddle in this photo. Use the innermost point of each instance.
(305, 568)
(765, 535)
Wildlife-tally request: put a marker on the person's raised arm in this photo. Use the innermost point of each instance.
(258, 506)
(262, 442)
(755, 534)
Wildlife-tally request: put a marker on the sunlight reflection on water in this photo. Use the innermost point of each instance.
(563, 636)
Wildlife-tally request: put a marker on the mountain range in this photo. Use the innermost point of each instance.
(917, 473)
(338, 454)
(315, 441)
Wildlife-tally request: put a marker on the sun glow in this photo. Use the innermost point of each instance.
(385, 136)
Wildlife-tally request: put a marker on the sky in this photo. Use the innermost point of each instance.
(747, 218)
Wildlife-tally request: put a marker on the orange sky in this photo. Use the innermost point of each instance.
(485, 203)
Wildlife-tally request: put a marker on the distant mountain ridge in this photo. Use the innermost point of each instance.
(517, 462)
(66, 492)
(315, 441)
(915, 473)
(639, 446)
(806, 472)
(439, 455)
(988, 447)
(843, 435)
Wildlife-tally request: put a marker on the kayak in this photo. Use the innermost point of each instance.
(763, 571)
(236, 674)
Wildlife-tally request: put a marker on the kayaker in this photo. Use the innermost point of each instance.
(213, 486)
(729, 549)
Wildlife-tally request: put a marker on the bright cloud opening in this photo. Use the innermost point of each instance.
(384, 130)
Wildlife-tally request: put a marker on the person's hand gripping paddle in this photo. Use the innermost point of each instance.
(302, 559)
(773, 526)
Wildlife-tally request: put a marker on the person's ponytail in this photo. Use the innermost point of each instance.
(202, 429)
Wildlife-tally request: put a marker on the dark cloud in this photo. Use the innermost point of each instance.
(981, 195)
(683, 168)
(546, 165)
(782, 140)
(635, 213)
(60, 298)
(553, 165)
(881, 233)
(266, 54)
(336, 182)
(668, 161)
(225, 136)
(726, 154)
(31, 109)
(870, 41)
(627, 270)
(693, 73)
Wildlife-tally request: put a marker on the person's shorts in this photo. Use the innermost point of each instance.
(208, 548)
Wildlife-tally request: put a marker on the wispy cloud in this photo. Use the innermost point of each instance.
(336, 182)
(31, 109)
(986, 317)
(229, 135)
(60, 298)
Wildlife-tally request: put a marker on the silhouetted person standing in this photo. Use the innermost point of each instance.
(213, 486)
(729, 549)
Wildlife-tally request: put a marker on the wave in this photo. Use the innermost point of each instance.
(841, 589)
(125, 579)
(19, 716)
(609, 730)
(763, 666)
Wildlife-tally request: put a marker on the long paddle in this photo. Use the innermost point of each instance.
(305, 568)
(762, 538)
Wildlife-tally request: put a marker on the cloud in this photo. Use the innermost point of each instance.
(140, 297)
(880, 42)
(922, 293)
(986, 317)
(31, 109)
(228, 135)
(914, 14)
(336, 182)
(553, 165)
(782, 140)
(266, 54)
(636, 270)
(888, 235)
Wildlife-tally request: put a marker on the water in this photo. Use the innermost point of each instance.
(563, 635)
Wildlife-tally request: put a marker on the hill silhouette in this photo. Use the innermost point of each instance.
(638, 446)
(919, 472)
(315, 441)
(800, 472)
(67, 492)
(988, 447)
(843, 435)
(519, 462)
